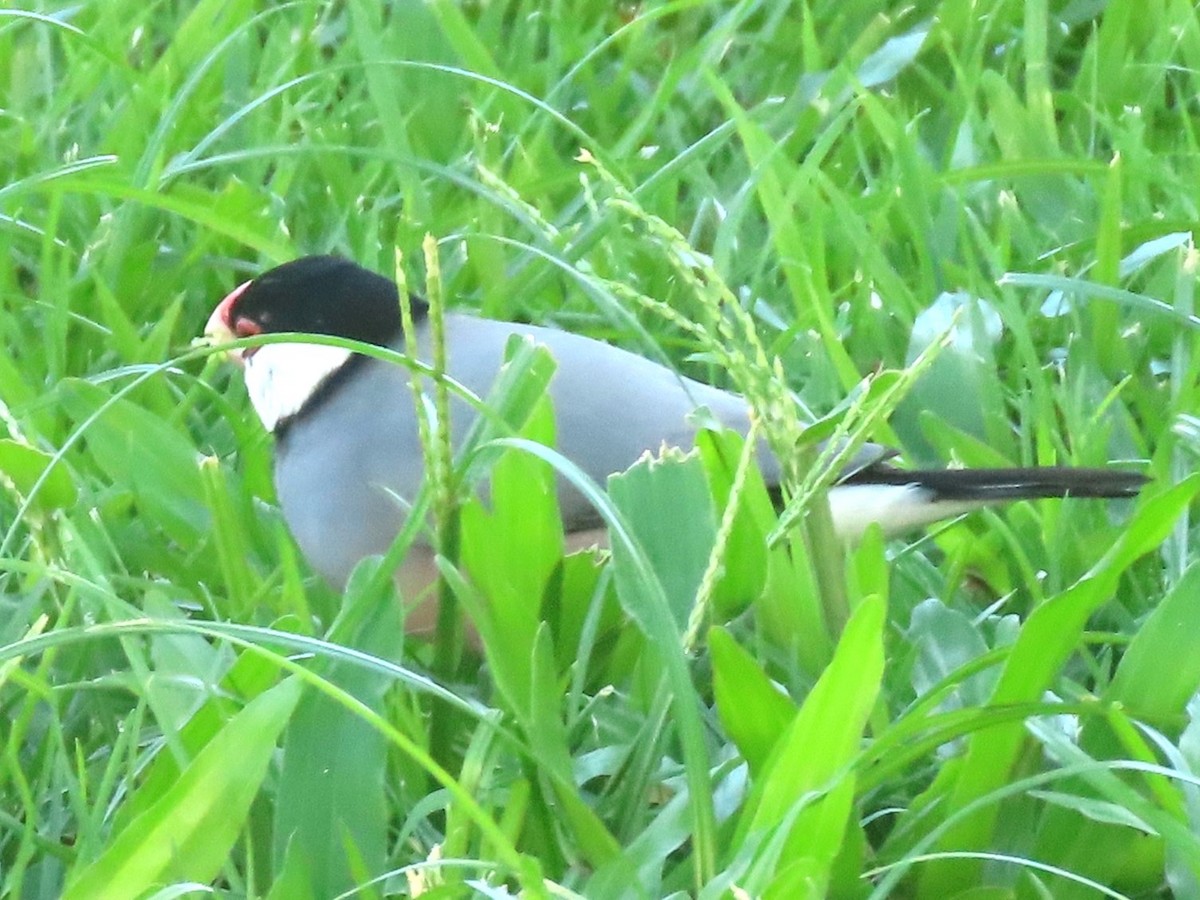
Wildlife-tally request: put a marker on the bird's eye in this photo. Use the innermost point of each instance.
(244, 327)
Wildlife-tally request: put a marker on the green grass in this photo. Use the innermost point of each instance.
(961, 228)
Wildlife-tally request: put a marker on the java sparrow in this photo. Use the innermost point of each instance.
(347, 449)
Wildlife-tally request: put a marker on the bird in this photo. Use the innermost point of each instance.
(348, 454)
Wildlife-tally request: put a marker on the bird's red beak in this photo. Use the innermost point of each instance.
(222, 327)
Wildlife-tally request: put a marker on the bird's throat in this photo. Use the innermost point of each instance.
(285, 379)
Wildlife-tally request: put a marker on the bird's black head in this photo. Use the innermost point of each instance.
(319, 295)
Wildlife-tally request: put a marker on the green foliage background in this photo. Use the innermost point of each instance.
(985, 210)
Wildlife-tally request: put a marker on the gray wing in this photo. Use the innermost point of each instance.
(610, 405)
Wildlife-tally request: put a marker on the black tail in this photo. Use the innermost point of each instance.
(1007, 484)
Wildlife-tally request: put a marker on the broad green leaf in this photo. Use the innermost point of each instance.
(868, 565)
(1158, 674)
(185, 668)
(519, 391)
(249, 676)
(798, 879)
(569, 609)
(667, 503)
(24, 465)
(1045, 642)
(1086, 836)
(790, 612)
(944, 641)
(187, 835)
(511, 551)
(1160, 669)
(845, 878)
(807, 788)
(512, 546)
(546, 732)
(536, 709)
(754, 712)
(330, 811)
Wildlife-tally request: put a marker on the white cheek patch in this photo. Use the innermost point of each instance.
(281, 377)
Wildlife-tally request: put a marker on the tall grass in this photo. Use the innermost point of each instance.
(962, 229)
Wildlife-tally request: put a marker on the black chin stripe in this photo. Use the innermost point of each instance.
(327, 388)
(332, 383)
